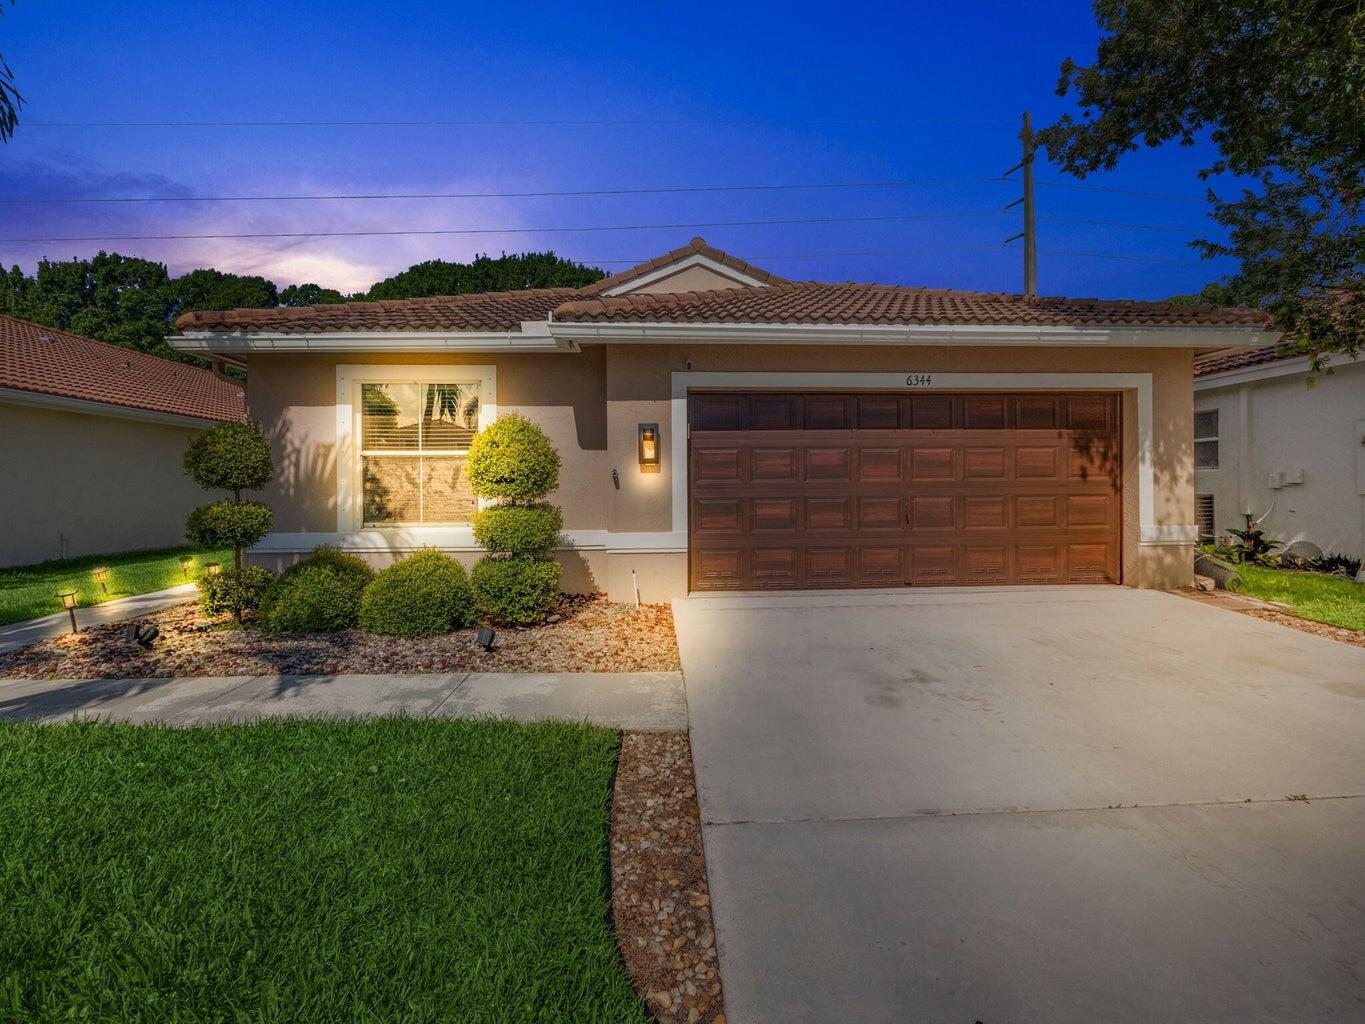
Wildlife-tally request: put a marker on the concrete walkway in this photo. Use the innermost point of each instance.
(649, 701)
(21, 634)
(1028, 805)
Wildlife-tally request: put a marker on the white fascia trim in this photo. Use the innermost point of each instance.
(915, 334)
(1269, 371)
(349, 377)
(537, 339)
(695, 260)
(461, 538)
(121, 412)
(1141, 383)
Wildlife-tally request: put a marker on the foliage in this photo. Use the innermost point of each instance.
(425, 594)
(29, 591)
(1252, 545)
(234, 591)
(1336, 565)
(515, 591)
(386, 870)
(1276, 84)
(213, 289)
(318, 594)
(1316, 596)
(525, 531)
(228, 524)
(485, 274)
(310, 295)
(512, 459)
(231, 457)
(10, 100)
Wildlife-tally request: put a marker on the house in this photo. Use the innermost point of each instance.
(1290, 454)
(723, 428)
(91, 441)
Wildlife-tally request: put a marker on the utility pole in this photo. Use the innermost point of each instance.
(1030, 232)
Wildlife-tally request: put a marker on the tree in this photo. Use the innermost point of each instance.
(310, 295)
(485, 274)
(213, 289)
(10, 100)
(1276, 84)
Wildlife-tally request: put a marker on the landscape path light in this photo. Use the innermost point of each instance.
(102, 578)
(185, 561)
(69, 603)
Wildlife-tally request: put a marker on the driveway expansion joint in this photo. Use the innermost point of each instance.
(459, 683)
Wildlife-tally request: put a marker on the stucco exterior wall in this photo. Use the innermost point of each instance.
(81, 484)
(1282, 425)
(592, 402)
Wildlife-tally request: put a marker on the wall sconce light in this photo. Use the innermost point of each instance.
(212, 568)
(185, 561)
(102, 577)
(649, 447)
(69, 603)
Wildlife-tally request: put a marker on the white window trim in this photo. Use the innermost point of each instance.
(1216, 439)
(350, 504)
(1149, 532)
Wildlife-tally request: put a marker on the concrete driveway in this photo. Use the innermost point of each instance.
(1027, 805)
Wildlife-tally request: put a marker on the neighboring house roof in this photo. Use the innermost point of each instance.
(812, 302)
(46, 361)
(773, 300)
(481, 311)
(1239, 359)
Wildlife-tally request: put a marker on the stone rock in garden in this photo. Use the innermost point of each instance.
(1300, 551)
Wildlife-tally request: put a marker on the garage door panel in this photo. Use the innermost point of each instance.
(863, 490)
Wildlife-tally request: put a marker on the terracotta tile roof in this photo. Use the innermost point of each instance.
(812, 302)
(52, 362)
(1239, 359)
(697, 245)
(483, 311)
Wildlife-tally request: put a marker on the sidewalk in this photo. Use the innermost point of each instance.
(21, 634)
(649, 701)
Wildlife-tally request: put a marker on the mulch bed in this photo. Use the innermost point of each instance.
(588, 634)
(660, 903)
(1257, 610)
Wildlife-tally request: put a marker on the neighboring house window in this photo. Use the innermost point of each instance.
(414, 439)
(1207, 530)
(1206, 439)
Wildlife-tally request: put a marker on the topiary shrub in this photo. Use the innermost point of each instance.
(234, 591)
(425, 594)
(319, 594)
(231, 457)
(525, 531)
(512, 459)
(228, 524)
(515, 591)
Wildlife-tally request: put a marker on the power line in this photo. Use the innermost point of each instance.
(912, 252)
(568, 193)
(504, 231)
(514, 123)
(1075, 186)
(1119, 224)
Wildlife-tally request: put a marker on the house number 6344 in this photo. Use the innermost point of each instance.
(919, 380)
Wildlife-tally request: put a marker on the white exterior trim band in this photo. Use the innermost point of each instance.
(697, 259)
(461, 538)
(376, 341)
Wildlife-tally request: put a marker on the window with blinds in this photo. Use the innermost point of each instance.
(414, 439)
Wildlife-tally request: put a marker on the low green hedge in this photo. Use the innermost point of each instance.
(234, 591)
(525, 531)
(320, 594)
(228, 524)
(425, 594)
(516, 591)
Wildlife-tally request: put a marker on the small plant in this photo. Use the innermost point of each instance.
(1252, 546)
(515, 591)
(320, 594)
(425, 594)
(233, 591)
(1336, 565)
(523, 531)
(231, 457)
(511, 459)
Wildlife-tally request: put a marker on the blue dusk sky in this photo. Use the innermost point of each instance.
(766, 95)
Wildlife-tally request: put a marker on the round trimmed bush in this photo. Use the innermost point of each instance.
(228, 524)
(425, 594)
(234, 590)
(320, 594)
(512, 459)
(516, 591)
(526, 531)
(231, 457)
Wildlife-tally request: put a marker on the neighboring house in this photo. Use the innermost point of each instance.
(723, 428)
(91, 441)
(1270, 445)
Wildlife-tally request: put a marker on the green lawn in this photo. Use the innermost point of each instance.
(28, 591)
(302, 871)
(1316, 596)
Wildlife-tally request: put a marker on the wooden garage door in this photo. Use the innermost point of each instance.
(874, 490)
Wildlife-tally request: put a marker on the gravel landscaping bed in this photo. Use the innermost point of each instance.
(660, 904)
(587, 634)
